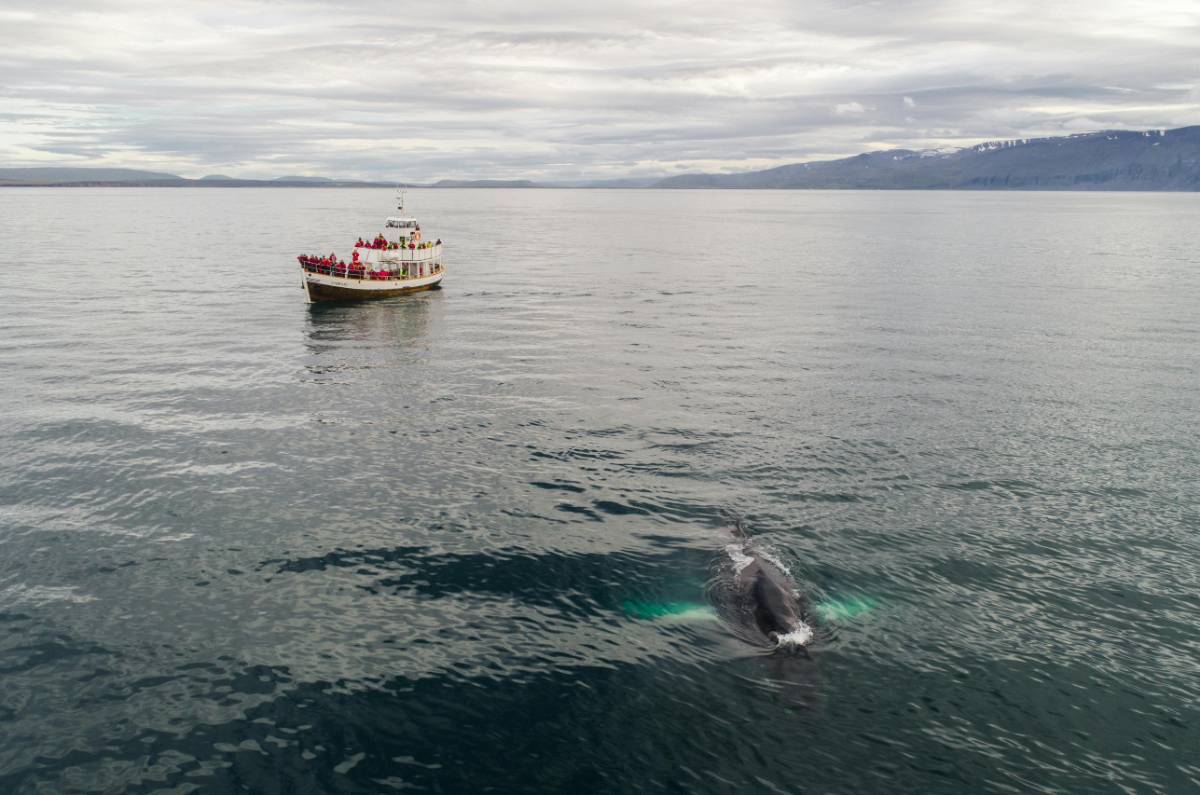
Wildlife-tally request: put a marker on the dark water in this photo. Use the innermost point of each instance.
(460, 542)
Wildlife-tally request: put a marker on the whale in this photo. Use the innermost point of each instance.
(767, 595)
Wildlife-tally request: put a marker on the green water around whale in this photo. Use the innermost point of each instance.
(248, 545)
(844, 609)
(826, 610)
(653, 610)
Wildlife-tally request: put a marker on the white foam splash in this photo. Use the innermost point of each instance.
(742, 556)
(770, 557)
(800, 636)
(739, 557)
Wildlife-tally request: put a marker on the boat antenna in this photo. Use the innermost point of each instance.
(400, 198)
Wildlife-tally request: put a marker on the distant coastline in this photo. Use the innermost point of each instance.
(1113, 160)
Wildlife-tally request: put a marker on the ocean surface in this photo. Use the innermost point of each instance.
(475, 539)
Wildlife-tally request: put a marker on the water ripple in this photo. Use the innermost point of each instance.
(461, 541)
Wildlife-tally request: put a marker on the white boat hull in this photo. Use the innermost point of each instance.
(324, 287)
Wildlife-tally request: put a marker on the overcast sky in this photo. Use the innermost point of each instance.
(559, 90)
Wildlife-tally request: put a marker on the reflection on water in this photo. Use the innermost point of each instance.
(345, 337)
(401, 321)
(460, 540)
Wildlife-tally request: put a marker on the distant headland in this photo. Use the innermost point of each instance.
(133, 178)
(1156, 160)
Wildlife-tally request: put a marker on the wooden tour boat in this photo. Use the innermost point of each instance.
(394, 263)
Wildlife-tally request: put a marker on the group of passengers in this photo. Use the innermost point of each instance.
(331, 261)
(332, 266)
(381, 242)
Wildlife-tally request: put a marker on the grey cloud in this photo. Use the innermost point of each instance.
(517, 89)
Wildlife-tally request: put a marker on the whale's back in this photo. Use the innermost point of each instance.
(775, 607)
(760, 597)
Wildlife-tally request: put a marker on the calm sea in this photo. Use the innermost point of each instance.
(462, 541)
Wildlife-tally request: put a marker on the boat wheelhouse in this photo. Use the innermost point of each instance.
(395, 262)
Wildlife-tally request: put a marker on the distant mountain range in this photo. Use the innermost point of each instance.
(128, 177)
(223, 177)
(56, 176)
(1114, 160)
(1166, 160)
(484, 183)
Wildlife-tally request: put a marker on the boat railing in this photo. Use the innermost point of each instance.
(365, 275)
(407, 254)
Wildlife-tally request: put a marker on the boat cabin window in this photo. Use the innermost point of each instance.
(402, 223)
